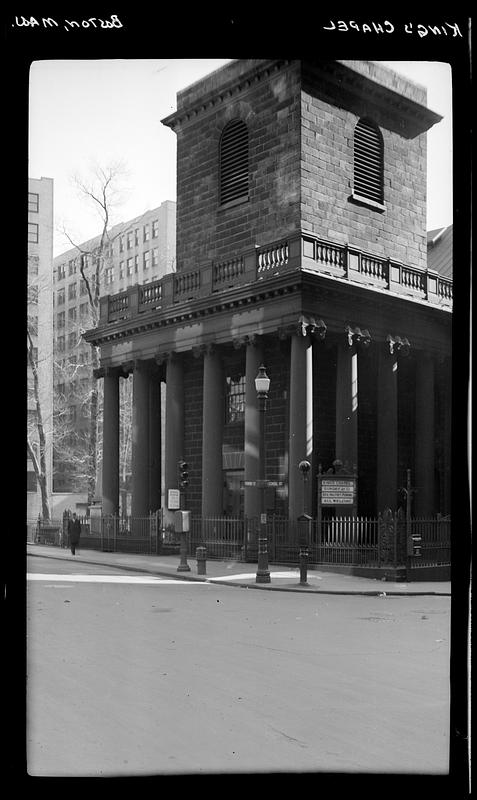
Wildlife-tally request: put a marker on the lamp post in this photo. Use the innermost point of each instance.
(262, 385)
(304, 520)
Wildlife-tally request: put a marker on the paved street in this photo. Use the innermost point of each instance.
(137, 674)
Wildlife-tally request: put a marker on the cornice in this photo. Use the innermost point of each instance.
(336, 78)
(215, 97)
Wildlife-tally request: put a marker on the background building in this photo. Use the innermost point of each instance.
(139, 251)
(40, 327)
(301, 244)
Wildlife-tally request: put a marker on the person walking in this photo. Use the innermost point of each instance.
(74, 532)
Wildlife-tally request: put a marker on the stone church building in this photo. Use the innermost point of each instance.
(302, 246)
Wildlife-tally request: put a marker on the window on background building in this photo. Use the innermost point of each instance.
(31, 481)
(33, 202)
(121, 244)
(60, 344)
(233, 162)
(146, 259)
(235, 399)
(129, 240)
(72, 339)
(83, 310)
(33, 324)
(61, 272)
(121, 270)
(60, 319)
(136, 236)
(155, 257)
(155, 229)
(136, 263)
(33, 232)
(83, 289)
(33, 265)
(72, 267)
(71, 291)
(72, 315)
(368, 161)
(60, 297)
(33, 294)
(108, 275)
(34, 354)
(146, 233)
(129, 266)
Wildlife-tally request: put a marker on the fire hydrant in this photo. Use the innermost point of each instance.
(200, 555)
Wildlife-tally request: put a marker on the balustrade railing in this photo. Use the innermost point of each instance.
(186, 285)
(150, 296)
(267, 261)
(227, 272)
(118, 306)
(272, 257)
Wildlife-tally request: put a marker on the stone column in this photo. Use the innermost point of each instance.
(155, 441)
(387, 444)
(301, 424)
(253, 360)
(212, 435)
(110, 470)
(424, 497)
(174, 433)
(140, 441)
(347, 405)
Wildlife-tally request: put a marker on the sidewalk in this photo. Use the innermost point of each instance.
(236, 573)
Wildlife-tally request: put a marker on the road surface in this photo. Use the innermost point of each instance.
(136, 675)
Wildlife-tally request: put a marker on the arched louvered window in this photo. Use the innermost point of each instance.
(368, 161)
(234, 162)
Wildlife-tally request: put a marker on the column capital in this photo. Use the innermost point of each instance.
(164, 358)
(358, 336)
(199, 350)
(244, 341)
(99, 372)
(204, 349)
(398, 345)
(303, 327)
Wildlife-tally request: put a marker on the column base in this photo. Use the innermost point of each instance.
(183, 568)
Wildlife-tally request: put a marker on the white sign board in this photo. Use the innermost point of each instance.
(173, 499)
(337, 492)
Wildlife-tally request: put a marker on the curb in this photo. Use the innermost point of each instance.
(241, 585)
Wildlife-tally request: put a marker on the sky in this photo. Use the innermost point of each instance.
(87, 112)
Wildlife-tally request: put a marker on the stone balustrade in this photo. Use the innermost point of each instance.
(298, 251)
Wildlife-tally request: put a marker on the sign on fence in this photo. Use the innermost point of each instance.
(338, 490)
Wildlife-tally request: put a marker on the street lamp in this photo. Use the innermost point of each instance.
(262, 385)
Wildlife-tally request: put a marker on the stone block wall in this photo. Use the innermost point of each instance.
(270, 106)
(327, 158)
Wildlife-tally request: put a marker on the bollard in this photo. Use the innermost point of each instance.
(303, 566)
(183, 565)
(200, 555)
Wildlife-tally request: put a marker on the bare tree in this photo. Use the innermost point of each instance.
(104, 189)
(36, 431)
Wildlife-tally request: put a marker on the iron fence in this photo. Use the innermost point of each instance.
(223, 537)
(389, 539)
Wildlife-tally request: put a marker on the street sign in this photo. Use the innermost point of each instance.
(263, 484)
